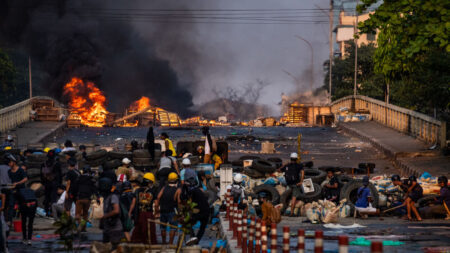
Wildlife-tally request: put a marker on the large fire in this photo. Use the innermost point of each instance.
(87, 101)
(141, 104)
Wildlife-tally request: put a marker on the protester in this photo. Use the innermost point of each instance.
(217, 161)
(187, 171)
(71, 180)
(168, 143)
(18, 178)
(5, 180)
(364, 196)
(125, 169)
(151, 142)
(109, 173)
(68, 147)
(440, 208)
(110, 222)
(127, 201)
(331, 189)
(210, 145)
(269, 213)
(414, 193)
(3, 226)
(237, 191)
(167, 165)
(51, 177)
(9, 143)
(197, 196)
(203, 180)
(58, 206)
(166, 204)
(27, 208)
(200, 153)
(85, 189)
(82, 150)
(294, 175)
(134, 145)
(145, 196)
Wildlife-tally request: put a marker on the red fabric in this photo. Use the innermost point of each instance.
(140, 232)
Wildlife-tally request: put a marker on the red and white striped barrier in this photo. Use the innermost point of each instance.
(244, 233)
(263, 237)
(235, 220)
(251, 235)
(343, 244)
(318, 242)
(239, 228)
(273, 238)
(230, 219)
(301, 241)
(376, 247)
(227, 202)
(286, 240)
(258, 236)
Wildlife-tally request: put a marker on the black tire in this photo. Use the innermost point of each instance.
(237, 169)
(285, 199)
(263, 166)
(119, 155)
(249, 157)
(272, 193)
(112, 164)
(97, 162)
(96, 155)
(317, 176)
(33, 165)
(33, 173)
(308, 164)
(426, 200)
(37, 158)
(142, 162)
(325, 168)
(141, 153)
(252, 173)
(312, 196)
(276, 161)
(343, 180)
(350, 190)
(237, 163)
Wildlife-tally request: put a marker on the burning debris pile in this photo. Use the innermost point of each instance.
(87, 104)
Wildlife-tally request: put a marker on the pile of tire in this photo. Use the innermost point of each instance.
(317, 176)
(33, 164)
(97, 158)
(350, 190)
(305, 197)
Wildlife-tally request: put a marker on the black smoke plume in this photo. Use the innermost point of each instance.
(65, 41)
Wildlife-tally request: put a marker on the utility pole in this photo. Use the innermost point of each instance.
(331, 49)
(29, 77)
(356, 50)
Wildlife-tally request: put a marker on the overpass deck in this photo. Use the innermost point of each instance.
(407, 152)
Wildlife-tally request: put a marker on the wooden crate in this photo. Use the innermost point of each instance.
(43, 103)
(47, 114)
(73, 123)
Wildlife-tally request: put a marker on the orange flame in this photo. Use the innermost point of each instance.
(87, 101)
(140, 104)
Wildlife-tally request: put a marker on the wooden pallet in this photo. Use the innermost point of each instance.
(47, 114)
(43, 103)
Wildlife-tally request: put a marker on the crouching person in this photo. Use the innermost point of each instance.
(110, 222)
(364, 195)
(269, 214)
(237, 192)
(440, 208)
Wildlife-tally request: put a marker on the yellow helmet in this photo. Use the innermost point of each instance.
(8, 148)
(172, 177)
(46, 149)
(149, 176)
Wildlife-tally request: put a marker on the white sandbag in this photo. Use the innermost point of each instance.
(344, 211)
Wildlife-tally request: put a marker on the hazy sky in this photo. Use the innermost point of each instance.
(220, 55)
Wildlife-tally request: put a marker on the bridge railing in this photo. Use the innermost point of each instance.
(14, 115)
(407, 121)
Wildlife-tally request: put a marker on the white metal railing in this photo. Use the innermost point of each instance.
(406, 121)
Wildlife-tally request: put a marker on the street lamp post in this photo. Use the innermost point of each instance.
(312, 59)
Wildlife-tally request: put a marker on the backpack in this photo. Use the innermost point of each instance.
(274, 215)
(127, 223)
(291, 175)
(47, 172)
(236, 192)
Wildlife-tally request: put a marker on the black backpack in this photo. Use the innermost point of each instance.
(292, 175)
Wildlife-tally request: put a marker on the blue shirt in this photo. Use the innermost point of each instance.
(363, 195)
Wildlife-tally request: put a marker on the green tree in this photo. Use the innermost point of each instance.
(369, 83)
(7, 78)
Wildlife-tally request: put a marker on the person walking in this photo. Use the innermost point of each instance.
(18, 178)
(166, 204)
(294, 175)
(168, 143)
(127, 204)
(145, 196)
(110, 222)
(27, 208)
(85, 189)
(3, 226)
(51, 177)
(71, 178)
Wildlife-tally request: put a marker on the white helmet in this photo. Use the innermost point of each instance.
(9, 137)
(294, 156)
(237, 178)
(186, 161)
(126, 161)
